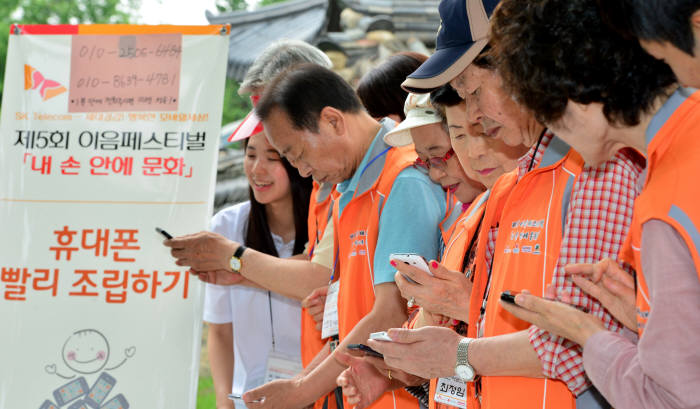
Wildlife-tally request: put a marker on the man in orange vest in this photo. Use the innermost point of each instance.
(636, 104)
(277, 57)
(313, 117)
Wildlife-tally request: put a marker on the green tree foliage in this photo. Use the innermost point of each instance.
(225, 6)
(268, 2)
(235, 106)
(77, 11)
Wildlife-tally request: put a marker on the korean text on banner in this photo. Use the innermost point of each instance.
(106, 133)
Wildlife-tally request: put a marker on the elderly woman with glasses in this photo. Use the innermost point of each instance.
(452, 152)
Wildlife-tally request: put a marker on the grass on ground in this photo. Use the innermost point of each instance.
(206, 398)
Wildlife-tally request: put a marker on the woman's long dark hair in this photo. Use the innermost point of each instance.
(380, 89)
(258, 235)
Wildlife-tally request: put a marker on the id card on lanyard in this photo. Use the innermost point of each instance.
(281, 366)
(452, 392)
(330, 312)
(330, 326)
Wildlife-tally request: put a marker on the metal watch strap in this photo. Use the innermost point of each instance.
(462, 351)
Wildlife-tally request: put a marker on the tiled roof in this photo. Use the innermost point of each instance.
(252, 31)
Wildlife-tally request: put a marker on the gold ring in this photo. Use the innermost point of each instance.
(389, 374)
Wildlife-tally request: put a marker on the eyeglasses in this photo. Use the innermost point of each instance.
(436, 162)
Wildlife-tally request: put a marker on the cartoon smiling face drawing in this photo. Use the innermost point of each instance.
(86, 351)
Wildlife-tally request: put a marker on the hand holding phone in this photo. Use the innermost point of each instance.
(380, 336)
(365, 349)
(234, 396)
(509, 296)
(165, 234)
(412, 259)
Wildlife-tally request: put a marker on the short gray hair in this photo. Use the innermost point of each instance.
(276, 58)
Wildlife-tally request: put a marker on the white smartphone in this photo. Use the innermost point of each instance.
(380, 336)
(412, 259)
(233, 396)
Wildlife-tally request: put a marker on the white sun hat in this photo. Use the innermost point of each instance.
(419, 111)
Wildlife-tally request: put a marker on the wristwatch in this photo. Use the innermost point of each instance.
(463, 370)
(235, 261)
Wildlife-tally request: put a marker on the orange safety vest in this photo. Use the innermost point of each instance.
(311, 342)
(356, 232)
(319, 212)
(453, 258)
(530, 215)
(669, 192)
(453, 213)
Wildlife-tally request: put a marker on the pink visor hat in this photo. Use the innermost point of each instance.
(250, 125)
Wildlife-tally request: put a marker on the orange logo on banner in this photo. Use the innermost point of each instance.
(33, 79)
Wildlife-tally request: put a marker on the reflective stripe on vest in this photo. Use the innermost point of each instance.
(471, 215)
(453, 213)
(319, 213)
(556, 151)
(677, 214)
(667, 110)
(324, 192)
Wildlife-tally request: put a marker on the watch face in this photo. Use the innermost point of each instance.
(465, 372)
(235, 264)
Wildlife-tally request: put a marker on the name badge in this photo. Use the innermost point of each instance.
(281, 366)
(330, 311)
(451, 391)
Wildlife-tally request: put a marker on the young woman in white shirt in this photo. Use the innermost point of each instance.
(251, 328)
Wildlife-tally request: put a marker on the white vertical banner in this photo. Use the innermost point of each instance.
(107, 132)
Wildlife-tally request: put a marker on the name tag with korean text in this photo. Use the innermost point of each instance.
(330, 311)
(451, 391)
(281, 366)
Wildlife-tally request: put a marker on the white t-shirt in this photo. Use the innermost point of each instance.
(248, 309)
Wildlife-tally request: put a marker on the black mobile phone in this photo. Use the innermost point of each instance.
(509, 296)
(367, 350)
(165, 234)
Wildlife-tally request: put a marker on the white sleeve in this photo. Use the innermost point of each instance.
(229, 222)
(217, 304)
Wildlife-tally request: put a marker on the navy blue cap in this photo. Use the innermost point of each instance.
(463, 33)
